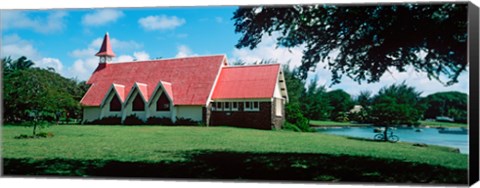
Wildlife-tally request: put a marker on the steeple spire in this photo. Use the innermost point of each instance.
(106, 52)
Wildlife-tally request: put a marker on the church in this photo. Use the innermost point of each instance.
(203, 89)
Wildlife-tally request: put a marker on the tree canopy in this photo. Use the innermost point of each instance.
(340, 101)
(451, 104)
(36, 94)
(366, 41)
(395, 105)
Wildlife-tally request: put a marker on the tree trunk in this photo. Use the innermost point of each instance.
(385, 134)
(34, 127)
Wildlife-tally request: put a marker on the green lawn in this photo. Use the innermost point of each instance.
(202, 151)
(334, 123)
(442, 124)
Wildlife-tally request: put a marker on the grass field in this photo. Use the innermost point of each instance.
(224, 152)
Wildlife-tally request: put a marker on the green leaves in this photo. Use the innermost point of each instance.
(365, 40)
(451, 104)
(395, 105)
(37, 91)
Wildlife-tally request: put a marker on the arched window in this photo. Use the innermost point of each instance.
(115, 104)
(138, 104)
(162, 103)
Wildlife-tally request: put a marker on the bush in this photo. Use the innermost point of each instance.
(159, 121)
(133, 120)
(342, 117)
(112, 120)
(186, 121)
(294, 116)
(291, 127)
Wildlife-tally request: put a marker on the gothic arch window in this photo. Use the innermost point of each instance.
(115, 104)
(162, 103)
(138, 104)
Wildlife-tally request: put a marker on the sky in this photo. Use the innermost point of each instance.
(67, 40)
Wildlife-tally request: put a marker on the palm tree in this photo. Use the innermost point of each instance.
(21, 63)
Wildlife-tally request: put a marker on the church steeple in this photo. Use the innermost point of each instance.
(106, 52)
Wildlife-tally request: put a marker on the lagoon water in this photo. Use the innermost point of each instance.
(428, 136)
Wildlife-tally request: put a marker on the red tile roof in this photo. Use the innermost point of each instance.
(191, 78)
(168, 89)
(120, 89)
(106, 49)
(143, 91)
(247, 82)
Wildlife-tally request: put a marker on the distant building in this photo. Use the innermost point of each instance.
(356, 109)
(203, 89)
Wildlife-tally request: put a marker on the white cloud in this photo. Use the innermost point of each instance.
(184, 51)
(101, 17)
(15, 47)
(161, 22)
(53, 22)
(267, 50)
(83, 68)
(48, 62)
(79, 53)
(141, 56)
(123, 58)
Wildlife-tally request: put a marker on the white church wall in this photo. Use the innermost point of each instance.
(189, 112)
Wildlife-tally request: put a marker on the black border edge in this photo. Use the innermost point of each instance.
(473, 56)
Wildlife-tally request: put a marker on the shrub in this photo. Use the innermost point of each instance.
(291, 127)
(294, 116)
(133, 120)
(112, 120)
(186, 121)
(341, 117)
(159, 121)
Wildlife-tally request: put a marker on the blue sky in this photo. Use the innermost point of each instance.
(67, 40)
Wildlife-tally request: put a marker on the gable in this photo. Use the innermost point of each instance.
(192, 78)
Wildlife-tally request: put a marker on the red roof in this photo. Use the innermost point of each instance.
(106, 49)
(191, 79)
(120, 89)
(247, 82)
(142, 88)
(168, 89)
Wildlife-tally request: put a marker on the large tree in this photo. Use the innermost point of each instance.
(340, 102)
(315, 102)
(365, 40)
(452, 104)
(395, 105)
(35, 95)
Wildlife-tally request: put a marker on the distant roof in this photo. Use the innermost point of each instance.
(247, 82)
(190, 79)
